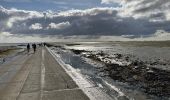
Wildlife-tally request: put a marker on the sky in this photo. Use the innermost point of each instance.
(45, 20)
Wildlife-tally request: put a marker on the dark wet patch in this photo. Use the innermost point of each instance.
(72, 44)
(77, 51)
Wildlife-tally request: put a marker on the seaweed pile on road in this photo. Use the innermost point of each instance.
(137, 73)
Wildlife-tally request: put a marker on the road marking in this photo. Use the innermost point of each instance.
(42, 74)
(63, 90)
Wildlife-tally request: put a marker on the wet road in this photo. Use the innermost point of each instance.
(37, 77)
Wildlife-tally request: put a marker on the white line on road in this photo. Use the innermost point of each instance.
(63, 90)
(42, 74)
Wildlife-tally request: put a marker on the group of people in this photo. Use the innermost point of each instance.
(33, 46)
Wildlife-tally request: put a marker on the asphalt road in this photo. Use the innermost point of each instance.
(37, 77)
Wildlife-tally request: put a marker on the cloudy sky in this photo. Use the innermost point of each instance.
(22, 20)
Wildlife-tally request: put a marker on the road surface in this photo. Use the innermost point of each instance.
(37, 77)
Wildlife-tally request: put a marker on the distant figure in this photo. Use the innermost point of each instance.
(34, 47)
(28, 47)
(44, 44)
(3, 60)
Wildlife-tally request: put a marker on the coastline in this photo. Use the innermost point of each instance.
(129, 66)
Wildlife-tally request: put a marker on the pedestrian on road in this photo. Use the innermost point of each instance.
(34, 47)
(3, 60)
(28, 48)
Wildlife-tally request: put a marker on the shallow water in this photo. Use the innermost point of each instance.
(86, 69)
(144, 53)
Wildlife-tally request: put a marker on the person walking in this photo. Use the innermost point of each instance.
(28, 48)
(34, 47)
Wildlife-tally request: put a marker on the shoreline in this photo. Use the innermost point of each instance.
(150, 76)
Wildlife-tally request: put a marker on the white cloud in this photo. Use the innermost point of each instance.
(62, 25)
(5, 34)
(161, 33)
(154, 10)
(13, 12)
(36, 26)
(12, 20)
(91, 11)
(25, 39)
(9, 17)
(107, 1)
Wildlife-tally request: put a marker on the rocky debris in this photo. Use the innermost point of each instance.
(118, 56)
(77, 51)
(152, 80)
(135, 72)
(58, 46)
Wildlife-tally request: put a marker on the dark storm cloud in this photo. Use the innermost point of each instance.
(152, 5)
(41, 5)
(95, 21)
(144, 8)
